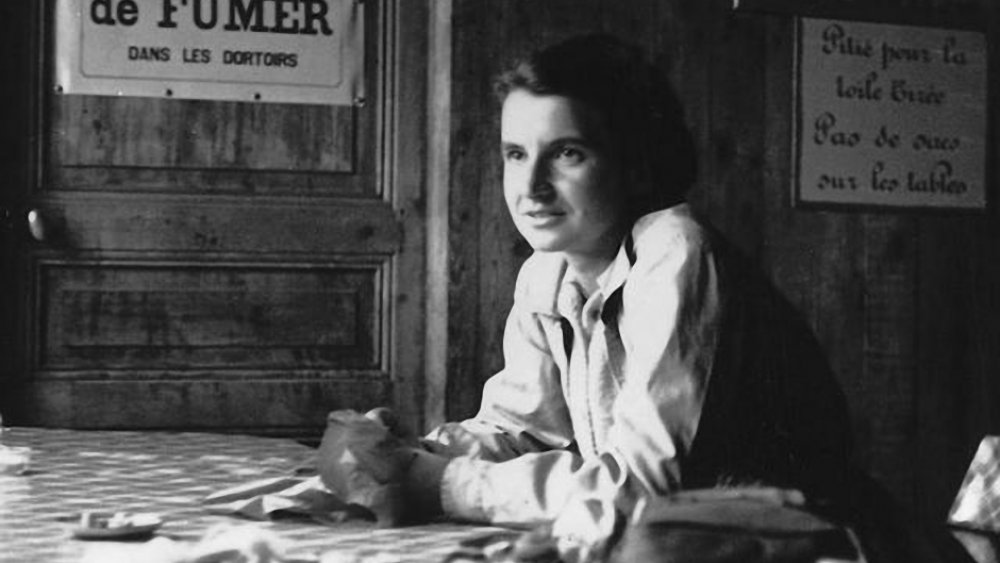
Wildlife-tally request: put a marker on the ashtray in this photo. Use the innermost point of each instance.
(116, 525)
(14, 460)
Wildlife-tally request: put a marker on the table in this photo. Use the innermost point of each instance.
(169, 473)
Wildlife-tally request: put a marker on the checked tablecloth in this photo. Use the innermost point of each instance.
(169, 474)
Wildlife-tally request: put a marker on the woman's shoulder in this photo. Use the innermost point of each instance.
(670, 230)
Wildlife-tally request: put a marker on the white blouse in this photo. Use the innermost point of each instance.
(598, 397)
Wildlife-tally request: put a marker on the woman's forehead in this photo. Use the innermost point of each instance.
(531, 116)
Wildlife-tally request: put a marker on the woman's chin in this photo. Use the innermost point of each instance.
(544, 243)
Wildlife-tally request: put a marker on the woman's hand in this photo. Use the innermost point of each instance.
(369, 460)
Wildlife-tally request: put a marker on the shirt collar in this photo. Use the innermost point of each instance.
(548, 275)
(546, 270)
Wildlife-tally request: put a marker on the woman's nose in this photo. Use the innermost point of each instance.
(540, 181)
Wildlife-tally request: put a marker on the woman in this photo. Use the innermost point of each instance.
(642, 355)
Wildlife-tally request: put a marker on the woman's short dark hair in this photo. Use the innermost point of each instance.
(642, 112)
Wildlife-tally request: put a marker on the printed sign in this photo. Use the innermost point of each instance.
(287, 51)
(890, 115)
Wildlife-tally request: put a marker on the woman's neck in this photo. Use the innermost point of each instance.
(586, 268)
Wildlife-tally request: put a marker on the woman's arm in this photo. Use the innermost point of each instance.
(523, 409)
(668, 321)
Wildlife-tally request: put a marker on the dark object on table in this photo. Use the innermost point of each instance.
(731, 526)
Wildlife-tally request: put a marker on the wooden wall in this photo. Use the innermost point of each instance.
(907, 304)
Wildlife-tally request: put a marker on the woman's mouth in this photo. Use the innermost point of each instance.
(542, 213)
(542, 217)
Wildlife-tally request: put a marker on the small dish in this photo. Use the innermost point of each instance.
(116, 525)
(14, 460)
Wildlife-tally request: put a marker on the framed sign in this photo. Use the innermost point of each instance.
(286, 51)
(889, 116)
(953, 14)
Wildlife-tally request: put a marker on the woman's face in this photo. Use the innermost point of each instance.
(562, 182)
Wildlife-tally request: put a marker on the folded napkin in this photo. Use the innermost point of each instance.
(977, 504)
(267, 498)
(221, 544)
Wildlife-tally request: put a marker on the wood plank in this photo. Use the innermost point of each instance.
(197, 316)
(952, 335)
(814, 257)
(889, 350)
(692, 74)
(102, 131)
(282, 402)
(439, 177)
(210, 182)
(987, 360)
(957, 332)
(221, 225)
(734, 150)
(476, 28)
(135, 145)
(405, 184)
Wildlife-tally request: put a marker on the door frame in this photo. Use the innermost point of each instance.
(20, 30)
(403, 179)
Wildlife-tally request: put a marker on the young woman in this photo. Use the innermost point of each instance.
(642, 355)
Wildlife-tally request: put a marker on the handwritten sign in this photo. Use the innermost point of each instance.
(288, 51)
(890, 115)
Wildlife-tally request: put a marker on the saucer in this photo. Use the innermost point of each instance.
(116, 525)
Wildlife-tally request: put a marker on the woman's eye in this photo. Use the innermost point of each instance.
(570, 154)
(513, 154)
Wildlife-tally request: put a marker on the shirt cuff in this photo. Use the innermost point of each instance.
(462, 489)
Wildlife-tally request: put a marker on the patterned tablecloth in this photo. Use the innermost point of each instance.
(169, 474)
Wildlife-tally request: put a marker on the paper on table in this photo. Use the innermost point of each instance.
(220, 544)
(362, 461)
(260, 500)
(977, 504)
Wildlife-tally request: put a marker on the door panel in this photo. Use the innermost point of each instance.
(289, 405)
(223, 265)
(101, 131)
(190, 317)
(202, 227)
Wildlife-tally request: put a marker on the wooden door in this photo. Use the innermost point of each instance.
(219, 265)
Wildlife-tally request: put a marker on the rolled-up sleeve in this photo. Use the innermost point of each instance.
(671, 315)
(523, 409)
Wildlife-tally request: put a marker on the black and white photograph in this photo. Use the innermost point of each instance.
(502, 281)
